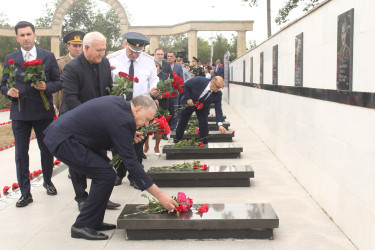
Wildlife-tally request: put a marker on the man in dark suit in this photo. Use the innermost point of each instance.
(84, 78)
(205, 91)
(165, 67)
(79, 138)
(32, 113)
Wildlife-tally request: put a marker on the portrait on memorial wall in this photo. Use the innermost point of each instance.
(275, 52)
(251, 70)
(298, 66)
(261, 68)
(345, 50)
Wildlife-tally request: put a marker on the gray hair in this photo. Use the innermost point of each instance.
(89, 38)
(158, 61)
(145, 102)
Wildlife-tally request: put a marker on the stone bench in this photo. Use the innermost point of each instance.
(238, 221)
(210, 151)
(213, 136)
(214, 176)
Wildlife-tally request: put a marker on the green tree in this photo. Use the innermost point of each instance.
(204, 50)
(7, 44)
(177, 43)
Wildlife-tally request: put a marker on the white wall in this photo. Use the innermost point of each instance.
(328, 147)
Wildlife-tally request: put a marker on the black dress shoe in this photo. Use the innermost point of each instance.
(87, 233)
(24, 200)
(144, 156)
(51, 190)
(112, 205)
(134, 185)
(105, 226)
(80, 205)
(164, 137)
(118, 180)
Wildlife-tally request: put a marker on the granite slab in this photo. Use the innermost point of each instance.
(212, 126)
(228, 220)
(223, 150)
(214, 176)
(213, 136)
(211, 118)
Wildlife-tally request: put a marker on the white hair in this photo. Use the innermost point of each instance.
(89, 38)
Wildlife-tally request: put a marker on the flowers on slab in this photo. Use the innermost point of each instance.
(123, 85)
(198, 106)
(11, 81)
(189, 143)
(186, 166)
(15, 186)
(57, 162)
(233, 132)
(184, 205)
(6, 190)
(35, 73)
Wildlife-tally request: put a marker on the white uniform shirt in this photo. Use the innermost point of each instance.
(144, 69)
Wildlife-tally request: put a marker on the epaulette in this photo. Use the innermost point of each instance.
(151, 57)
(114, 54)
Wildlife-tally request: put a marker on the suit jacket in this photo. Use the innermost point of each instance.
(77, 82)
(178, 69)
(166, 68)
(31, 102)
(100, 124)
(194, 87)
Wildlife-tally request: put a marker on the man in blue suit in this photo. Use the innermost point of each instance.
(79, 137)
(32, 113)
(205, 91)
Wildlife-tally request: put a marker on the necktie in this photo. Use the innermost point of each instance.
(131, 72)
(27, 56)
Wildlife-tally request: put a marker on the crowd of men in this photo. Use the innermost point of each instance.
(92, 122)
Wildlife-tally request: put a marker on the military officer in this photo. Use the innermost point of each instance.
(74, 45)
(197, 70)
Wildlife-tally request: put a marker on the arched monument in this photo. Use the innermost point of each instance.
(154, 32)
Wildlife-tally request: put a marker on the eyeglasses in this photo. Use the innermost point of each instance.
(218, 87)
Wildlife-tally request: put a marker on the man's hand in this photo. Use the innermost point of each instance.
(13, 92)
(41, 86)
(222, 129)
(165, 199)
(138, 137)
(190, 102)
(155, 92)
(157, 103)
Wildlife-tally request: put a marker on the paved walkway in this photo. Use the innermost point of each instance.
(45, 224)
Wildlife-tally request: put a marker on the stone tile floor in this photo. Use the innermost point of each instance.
(45, 223)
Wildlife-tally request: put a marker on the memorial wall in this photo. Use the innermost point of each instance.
(309, 94)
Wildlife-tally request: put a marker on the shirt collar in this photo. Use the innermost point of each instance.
(32, 52)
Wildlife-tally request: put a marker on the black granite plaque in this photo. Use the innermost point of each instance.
(212, 126)
(211, 118)
(214, 176)
(261, 61)
(345, 25)
(239, 221)
(298, 67)
(210, 151)
(251, 70)
(275, 59)
(213, 136)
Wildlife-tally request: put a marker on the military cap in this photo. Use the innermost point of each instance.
(180, 56)
(74, 37)
(195, 59)
(136, 41)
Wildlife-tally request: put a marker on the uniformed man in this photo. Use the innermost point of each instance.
(74, 45)
(132, 60)
(179, 60)
(196, 70)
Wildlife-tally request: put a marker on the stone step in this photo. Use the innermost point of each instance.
(227, 220)
(217, 150)
(213, 136)
(214, 176)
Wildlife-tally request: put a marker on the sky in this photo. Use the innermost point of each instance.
(170, 12)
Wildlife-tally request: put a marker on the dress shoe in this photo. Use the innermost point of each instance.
(112, 205)
(144, 156)
(24, 200)
(165, 137)
(118, 181)
(80, 205)
(51, 190)
(105, 226)
(87, 233)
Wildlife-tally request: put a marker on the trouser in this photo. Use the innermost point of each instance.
(96, 166)
(22, 132)
(138, 147)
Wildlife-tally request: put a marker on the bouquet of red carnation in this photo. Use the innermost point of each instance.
(169, 88)
(177, 83)
(189, 143)
(198, 106)
(11, 81)
(163, 126)
(35, 73)
(123, 84)
(15, 186)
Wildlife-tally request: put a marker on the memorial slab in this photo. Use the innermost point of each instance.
(211, 118)
(212, 126)
(210, 151)
(214, 176)
(213, 136)
(239, 221)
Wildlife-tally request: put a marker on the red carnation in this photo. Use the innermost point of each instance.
(174, 94)
(174, 74)
(197, 104)
(6, 189)
(57, 162)
(15, 186)
(233, 132)
(25, 65)
(136, 80)
(195, 166)
(122, 74)
(169, 118)
(200, 106)
(11, 61)
(32, 63)
(203, 208)
(39, 171)
(54, 118)
(131, 78)
(200, 144)
(204, 167)
(180, 90)
(166, 95)
(38, 61)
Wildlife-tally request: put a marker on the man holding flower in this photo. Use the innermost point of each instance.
(28, 109)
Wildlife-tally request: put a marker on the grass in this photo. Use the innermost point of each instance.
(6, 135)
